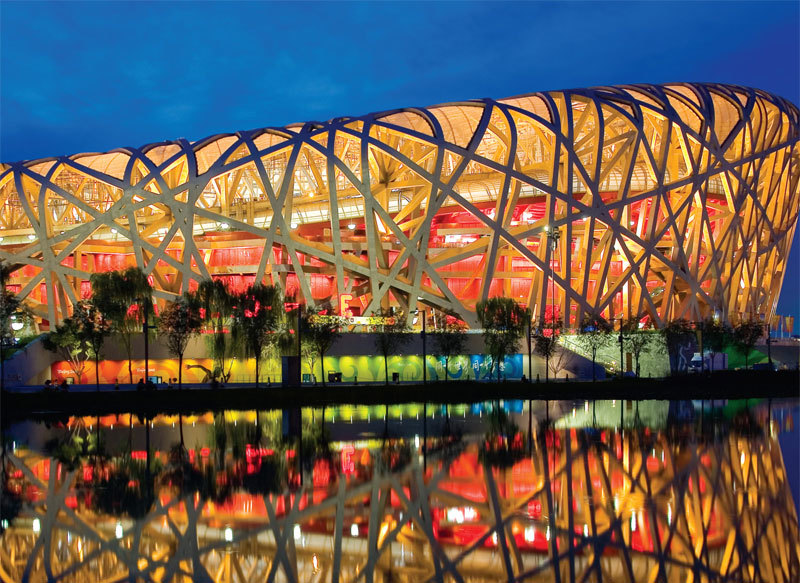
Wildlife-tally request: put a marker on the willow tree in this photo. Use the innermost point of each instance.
(503, 322)
(124, 298)
(256, 316)
(217, 303)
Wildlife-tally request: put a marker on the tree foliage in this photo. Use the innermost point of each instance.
(179, 321)
(216, 303)
(9, 303)
(638, 341)
(449, 340)
(503, 322)
(80, 337)
(94, 327)
(123, 298)
(319, 332)
(594, 334)
(546, 345)
(391, 334)
(716, 336)
(256, 316)
(69, 343)
(676, 334)
(745, 336)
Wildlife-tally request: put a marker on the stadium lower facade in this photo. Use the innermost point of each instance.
(673, 201)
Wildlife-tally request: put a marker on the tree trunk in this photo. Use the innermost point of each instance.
(594, 357)
(446, 361)
(180, 424)
(130, 371)
(257, 359)
(386, 368)
(547, 367)
(97, 371)
(322, 366)
(180, 371)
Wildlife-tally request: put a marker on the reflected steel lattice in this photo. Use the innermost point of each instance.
(720, 511)
(673, 201)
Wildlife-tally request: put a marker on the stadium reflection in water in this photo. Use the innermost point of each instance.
(503, 491)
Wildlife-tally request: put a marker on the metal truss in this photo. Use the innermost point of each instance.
(579, 506)
(672, 201)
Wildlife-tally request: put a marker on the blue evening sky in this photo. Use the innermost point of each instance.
(79, 77)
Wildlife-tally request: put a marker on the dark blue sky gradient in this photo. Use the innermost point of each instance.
(80, 77)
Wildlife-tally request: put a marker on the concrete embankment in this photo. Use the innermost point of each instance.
(722, 385)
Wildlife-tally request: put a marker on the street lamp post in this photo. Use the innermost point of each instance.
(145, 330)
(621, 349)
(553, 236)
(6, 339)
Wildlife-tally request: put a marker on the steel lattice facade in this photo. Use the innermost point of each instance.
(672, 201)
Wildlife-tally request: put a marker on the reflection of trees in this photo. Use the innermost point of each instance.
(503, 443)
(316, 446)
(123, 490)
(393, 456)
(77, 444)
(10, 500)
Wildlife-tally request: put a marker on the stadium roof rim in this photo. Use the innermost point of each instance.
(615, 93)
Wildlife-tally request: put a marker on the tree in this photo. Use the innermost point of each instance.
(448, 341)
(256, 315)
(179, 321)
(319, 333)
(745, 335)
(9, 309)
(594, 333)
(716, 336)
(216, 303)
(9, 303)
(503, 322)
(94, 328)
(68, 342)
(546, 345)
(676, 334)
(123, 297)
(391, 333)
(637, 341)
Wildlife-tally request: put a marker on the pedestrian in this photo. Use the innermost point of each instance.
(116, 384)
(169, 386)
(47, 386)
(140, 385)
(64, 385)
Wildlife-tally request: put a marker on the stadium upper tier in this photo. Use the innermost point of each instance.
(670, 201)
